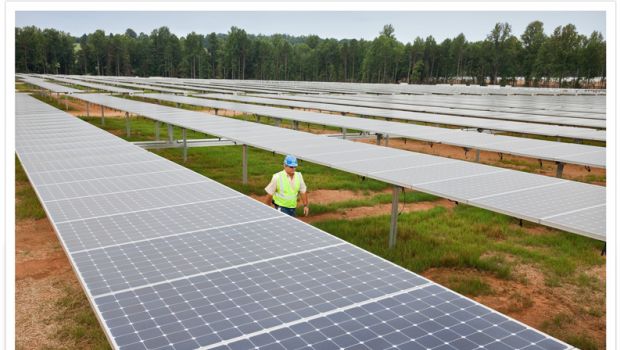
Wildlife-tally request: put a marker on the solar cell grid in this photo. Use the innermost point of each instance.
(118, 184)
(185, 218)
(100, 172)
(425, 318)
(131, 265)
(253, 297)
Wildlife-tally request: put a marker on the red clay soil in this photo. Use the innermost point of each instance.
(42, 272)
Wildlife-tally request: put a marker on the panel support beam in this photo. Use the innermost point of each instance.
(184, 133)
(559, 170)
(88, 109)
(102, 116)
(127, 124)
(379, 136)
(387, 138)
(170, 134)
(344, 133)
(295, 125)
(244, 163)
(394, 219)
(477, 155)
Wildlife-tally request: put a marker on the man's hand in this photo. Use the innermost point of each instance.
(306, 210)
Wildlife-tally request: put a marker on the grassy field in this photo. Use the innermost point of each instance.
(464, 239)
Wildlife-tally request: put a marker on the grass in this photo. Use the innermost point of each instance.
(27, 205)
(383, 198)
(471, 286)
(142, 129)
(469, 238)
(80, 327)
(556, 327)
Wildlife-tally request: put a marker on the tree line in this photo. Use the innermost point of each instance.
(565, 57)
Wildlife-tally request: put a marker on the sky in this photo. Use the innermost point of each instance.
(339, 25)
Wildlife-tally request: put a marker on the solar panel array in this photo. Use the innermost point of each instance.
(538, 149)
(413, 89)
(402, 103)
(567, 205)
(593, 109)
(487, 124)
(170, 259)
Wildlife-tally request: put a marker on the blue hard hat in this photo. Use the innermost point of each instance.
(290, 160)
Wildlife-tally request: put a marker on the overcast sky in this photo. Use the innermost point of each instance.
(339, 25)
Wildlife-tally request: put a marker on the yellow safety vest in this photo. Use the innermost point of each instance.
(285, 195)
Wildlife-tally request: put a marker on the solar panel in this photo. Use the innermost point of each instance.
(230, 272)
(91, 85)
(538, 149)
(48, 86)
(419, 172)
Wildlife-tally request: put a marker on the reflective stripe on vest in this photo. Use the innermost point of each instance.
(285, 195)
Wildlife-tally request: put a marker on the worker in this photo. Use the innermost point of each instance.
(285, 187)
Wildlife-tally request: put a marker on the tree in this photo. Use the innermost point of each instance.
(497, 39)
(533, 38)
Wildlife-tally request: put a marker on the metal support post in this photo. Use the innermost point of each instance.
(66, 102)
(244, 165)
(295, 124)
(88, 109)
(344, 133)
(157, 125)
(387, 138)
(379, 139)
(477, 155)
(102, 116)
(258, 118)
(127, 125)
(559, 170)
(178, 105)
(184, 133)
(394, 219)
(278, 121)
(170, 133)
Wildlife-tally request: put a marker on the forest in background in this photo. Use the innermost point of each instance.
(565, 58)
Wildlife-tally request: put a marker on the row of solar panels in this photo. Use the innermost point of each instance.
(539, 149)
(170, 259)
(572, 206)
(487, 124)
